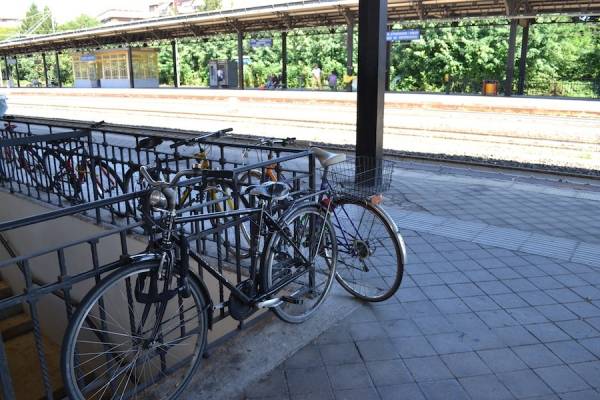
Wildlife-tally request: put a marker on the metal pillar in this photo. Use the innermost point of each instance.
(7, 71)
(130, 64)
(45, 68)
(175, 63)
(240, 43)
(58, 77)
(17, 72)
(371, 77)
(388, 58)
(350, 50)
(284, 60)
(523, 59)
(510, 58)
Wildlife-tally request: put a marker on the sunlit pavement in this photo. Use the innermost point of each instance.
(500, 300)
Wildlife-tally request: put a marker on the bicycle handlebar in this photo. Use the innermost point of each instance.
(199, 139)
(283, 142)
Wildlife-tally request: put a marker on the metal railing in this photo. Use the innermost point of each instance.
(83, 154)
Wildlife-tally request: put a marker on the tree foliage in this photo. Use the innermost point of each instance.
(210, 5)
(36, 21)
(81, 22)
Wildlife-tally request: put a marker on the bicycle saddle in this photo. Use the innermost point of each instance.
(149, 143)
(269, 191)
(326, 158)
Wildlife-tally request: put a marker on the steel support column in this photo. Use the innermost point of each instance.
(284, 60)
(350, 50)
(130, 64)
(388, 58)
(240, 51)
(175, 53)
(372, 20)
(45, 63)
(17, 72)
(523, 59)
(510, 58)
(58, 77)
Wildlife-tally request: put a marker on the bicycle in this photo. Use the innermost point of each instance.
(25, 158)
(117, 351)
(371, 251)
(272, 172)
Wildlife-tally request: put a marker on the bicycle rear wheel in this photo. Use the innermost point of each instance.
(313, 236)
(109, 351)
(370, 250)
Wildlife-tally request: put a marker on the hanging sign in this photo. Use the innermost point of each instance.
(267, 42)
(87, 57)
(405, 35)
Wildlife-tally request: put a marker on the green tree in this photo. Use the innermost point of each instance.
(210, 5)
(36, 21)
(81, 22)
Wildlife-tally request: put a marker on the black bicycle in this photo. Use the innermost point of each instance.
(141, 332)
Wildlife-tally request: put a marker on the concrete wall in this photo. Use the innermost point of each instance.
(85, 83)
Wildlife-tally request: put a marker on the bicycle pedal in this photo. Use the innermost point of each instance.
(291, 300)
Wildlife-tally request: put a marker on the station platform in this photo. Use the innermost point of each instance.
(500, 298)
(525, 130)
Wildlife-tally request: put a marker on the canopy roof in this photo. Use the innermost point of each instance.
(291, 15)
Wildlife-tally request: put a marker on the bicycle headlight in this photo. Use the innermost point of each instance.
(157, 199)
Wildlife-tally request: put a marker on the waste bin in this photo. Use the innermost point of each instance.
(490, 88)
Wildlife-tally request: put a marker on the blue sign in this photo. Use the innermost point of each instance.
(87, 57)
(405, 35)
(268, 42)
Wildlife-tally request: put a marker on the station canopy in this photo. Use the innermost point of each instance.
(291, 15)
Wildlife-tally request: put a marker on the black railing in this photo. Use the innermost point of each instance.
(64, 165)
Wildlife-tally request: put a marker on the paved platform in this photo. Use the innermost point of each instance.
(500, 300)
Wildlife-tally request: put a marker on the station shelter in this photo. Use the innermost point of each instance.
(110, 68)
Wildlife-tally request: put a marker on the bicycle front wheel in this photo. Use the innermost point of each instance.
(112, 349)
(370, 250)
(304, 255)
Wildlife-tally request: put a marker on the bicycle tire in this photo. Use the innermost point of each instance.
(63, 179)
(278, 251)
(115, 188)
(76, 385)
(356, 247)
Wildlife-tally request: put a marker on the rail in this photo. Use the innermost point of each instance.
(68, 167)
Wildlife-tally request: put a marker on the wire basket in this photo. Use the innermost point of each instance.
(361, 177)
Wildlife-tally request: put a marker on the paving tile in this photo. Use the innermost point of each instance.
(367, 330)
(502, 360)
(438, 292)
(306, 357)
(584, 309)
(536, 298)
(420, 308)
(480, 303)
(563, 295)
(505, 273)
(388, 312)
(451, 306)
(454, 277)
(317, 376)
(466, 322)
(494, 287)
(520, 285)
(527, 315)
(434, 324)
(581, 395)
(443, 390)
(592, 345)
(465, 364)
(447, 343)
(578, 329)
(348, 376)
(389, 372)
(588, 292)
(497, 318)
(570, 351)
(589, 371)
(481, 276)
(570, 280)
(401, 392)
(561, 379)
(547, 332)
(515, 336)
(428, 369)
(341, 353)
(483, 340)
(401, 328)
(357, 394)
(595, 322)
(416, 346)
(556, 312)
(466, 289)
(524, 384)
(377, 350)
(537, 356)
(508, 300)
(410, 294)
(486, 387)
(336, 334)
(427, 280)
(546, 282)
(272, 385)
(362, 314)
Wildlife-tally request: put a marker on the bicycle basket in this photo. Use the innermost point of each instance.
(361, 177)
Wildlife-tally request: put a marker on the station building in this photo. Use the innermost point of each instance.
(110, 68)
